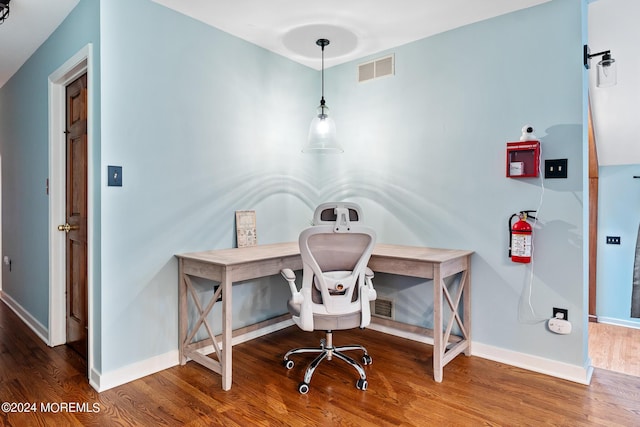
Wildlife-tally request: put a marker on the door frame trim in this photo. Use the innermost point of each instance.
(74, 67)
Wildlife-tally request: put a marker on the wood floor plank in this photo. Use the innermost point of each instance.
(615, 348)
(401, 390)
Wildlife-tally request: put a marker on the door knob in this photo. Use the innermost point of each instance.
(67, 228)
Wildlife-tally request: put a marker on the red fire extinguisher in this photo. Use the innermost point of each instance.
(520, 237)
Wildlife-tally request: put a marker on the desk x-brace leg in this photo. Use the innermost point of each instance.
(203, 316)
(442, 353)
(188, 349)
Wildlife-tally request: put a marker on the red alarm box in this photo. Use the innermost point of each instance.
(523, 159)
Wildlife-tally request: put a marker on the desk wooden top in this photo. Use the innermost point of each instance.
(418, 253)
(237, 256)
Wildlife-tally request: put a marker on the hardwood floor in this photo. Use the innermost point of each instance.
(615, 348)
(401, 389)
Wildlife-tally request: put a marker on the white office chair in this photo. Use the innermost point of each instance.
(336, 284)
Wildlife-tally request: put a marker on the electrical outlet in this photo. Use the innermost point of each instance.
(613, 240)
(562, 311)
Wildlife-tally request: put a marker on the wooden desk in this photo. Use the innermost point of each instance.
(233, 265)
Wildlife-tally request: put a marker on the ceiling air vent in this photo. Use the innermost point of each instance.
(377, 68)
(383, 308)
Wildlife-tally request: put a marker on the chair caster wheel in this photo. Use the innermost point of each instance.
(366, 360)
(303, 388)
(361, 384)
(288, 364)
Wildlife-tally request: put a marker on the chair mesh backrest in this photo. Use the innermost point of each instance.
(336, 253)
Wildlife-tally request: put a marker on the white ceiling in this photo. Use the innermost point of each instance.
(356, 28)
(29, 24)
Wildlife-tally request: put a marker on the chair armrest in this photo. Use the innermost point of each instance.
(288, 274)
(367, 294)
(368, 273)
(290, 277)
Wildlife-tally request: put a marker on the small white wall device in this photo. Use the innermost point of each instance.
(559, 325)
(527, 134)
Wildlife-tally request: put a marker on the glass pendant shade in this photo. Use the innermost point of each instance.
(322, 133)
(607, 72)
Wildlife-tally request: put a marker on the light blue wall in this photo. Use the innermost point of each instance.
(205, 124)
(425, 156)
(619, 204)
(24, 142)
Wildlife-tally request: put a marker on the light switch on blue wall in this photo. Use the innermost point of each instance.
(114, 174)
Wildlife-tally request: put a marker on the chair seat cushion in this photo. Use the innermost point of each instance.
(327, 322)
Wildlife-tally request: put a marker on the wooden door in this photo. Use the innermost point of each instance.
(76, 215)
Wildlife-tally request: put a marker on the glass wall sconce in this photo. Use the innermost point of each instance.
(606, 68)
(4, 10)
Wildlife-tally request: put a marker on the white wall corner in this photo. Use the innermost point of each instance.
(134, 371)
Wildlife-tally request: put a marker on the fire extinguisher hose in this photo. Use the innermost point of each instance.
(509, 225)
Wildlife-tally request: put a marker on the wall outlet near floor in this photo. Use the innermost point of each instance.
(560, 313)
(559, 323)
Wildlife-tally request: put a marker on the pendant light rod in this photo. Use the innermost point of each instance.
(322, 43)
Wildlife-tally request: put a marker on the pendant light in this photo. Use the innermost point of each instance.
(322, 133)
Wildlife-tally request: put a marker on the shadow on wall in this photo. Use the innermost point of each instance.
(214, 201)
(550, 269)
(564, 142)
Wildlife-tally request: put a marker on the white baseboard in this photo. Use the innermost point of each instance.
(619, 322)
(401, 333)
(554, 368)
(38, 328)
(262, 331)
(575, 373)
(102, 382)
(134, 371)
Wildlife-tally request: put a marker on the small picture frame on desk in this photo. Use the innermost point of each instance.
(246, 229)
